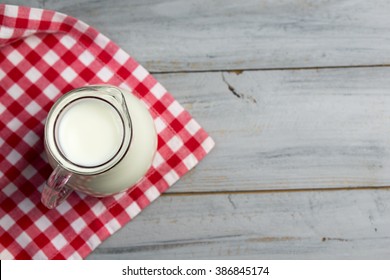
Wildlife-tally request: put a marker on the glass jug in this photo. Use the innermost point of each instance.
(100, 140)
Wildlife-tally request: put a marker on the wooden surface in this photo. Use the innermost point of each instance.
(296, 95)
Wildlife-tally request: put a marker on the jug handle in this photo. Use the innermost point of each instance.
(55, 190)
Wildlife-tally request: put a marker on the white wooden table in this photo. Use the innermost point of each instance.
(296, 95)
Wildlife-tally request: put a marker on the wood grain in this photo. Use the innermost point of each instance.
(193, 35)
(290, 225)
(282, 135)
(289, 129)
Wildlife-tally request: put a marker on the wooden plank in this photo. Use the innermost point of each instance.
(289, 129)
(287, 225)
(30, 3)
(169, 35)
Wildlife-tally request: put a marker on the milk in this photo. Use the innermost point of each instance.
(89, 132)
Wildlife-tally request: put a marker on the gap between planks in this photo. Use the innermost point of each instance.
(364, 188)
(239, 71)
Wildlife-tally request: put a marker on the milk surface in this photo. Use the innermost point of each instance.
(89, 132)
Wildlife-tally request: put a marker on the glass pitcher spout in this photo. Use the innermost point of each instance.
(117, 94)
(118, 100)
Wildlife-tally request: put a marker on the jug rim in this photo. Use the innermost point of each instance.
(106, 93)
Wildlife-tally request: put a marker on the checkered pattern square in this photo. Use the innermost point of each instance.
(44, 54)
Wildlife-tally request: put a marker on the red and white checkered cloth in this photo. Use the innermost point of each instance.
(44, 54)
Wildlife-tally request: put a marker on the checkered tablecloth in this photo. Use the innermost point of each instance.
(44, 54)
